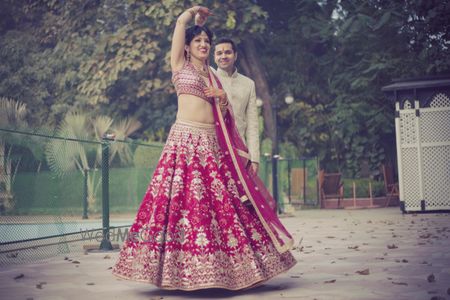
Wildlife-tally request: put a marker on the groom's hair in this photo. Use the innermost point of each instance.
(226, 40)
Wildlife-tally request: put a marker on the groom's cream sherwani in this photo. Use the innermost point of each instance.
(242, 96)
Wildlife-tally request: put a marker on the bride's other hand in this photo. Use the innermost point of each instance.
(216, 93)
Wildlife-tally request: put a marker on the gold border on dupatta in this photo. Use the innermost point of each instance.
(280, 248)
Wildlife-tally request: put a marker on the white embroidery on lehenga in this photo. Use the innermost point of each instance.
(192, 231)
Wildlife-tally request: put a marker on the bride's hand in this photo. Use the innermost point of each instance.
(201, 15)
(216, 93)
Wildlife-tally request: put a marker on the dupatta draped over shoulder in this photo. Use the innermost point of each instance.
(251, 187)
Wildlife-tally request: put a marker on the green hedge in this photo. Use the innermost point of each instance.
(38, 193)
(362, 188)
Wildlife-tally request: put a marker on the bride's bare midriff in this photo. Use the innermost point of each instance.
(195, 109)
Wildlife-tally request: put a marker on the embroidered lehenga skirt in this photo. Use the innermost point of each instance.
(192, 231)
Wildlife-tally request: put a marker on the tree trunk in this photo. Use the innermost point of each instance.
(252, 66)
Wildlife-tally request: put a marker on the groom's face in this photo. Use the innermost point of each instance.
(224, 56)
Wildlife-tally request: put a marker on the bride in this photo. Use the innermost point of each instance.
(206, 220)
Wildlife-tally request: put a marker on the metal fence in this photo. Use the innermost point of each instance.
(60, 194)
(297, 180)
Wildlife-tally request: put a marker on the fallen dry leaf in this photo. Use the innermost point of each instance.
(19, 276)
(399, 283)
(353, 247)
(431, 278)
(107, 256)
(90, 283)
(75, 262)
(363, 272)
(330, 281)
(393, 246)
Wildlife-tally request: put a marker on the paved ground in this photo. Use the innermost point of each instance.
(342, 254)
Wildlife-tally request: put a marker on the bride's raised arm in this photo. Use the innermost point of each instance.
(178, 38)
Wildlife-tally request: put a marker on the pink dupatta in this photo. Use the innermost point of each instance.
(251, 187)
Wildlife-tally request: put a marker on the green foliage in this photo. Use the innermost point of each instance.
(335, 56)
(362, 188)
(148, 156)
(43, 193)
(111, 57)
(80, 147)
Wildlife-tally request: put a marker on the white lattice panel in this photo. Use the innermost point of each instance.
(436, 177)
(435, 126)
(410, 178)
(407, 127)
(440, 100)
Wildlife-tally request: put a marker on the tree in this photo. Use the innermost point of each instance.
(335, 56)
(12, 115)
(64, 156)
(111, 57)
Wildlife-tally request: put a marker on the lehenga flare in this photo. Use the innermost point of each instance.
(192, 230)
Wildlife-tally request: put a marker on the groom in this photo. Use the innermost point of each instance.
(241, 94)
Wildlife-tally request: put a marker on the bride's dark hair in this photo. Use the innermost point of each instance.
(195, 30)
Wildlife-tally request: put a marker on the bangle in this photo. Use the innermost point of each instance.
(192, 12)
(223, 103)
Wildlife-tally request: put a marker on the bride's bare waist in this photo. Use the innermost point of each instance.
(195, 109)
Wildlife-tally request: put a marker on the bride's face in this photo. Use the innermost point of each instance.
(200, 46)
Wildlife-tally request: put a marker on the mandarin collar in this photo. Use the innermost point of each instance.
(225, 74)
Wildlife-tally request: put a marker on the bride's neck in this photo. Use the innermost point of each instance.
(199, 64)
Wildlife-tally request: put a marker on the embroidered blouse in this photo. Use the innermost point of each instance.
(188, 81)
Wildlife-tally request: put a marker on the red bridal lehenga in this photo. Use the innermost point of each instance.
(193, 229)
